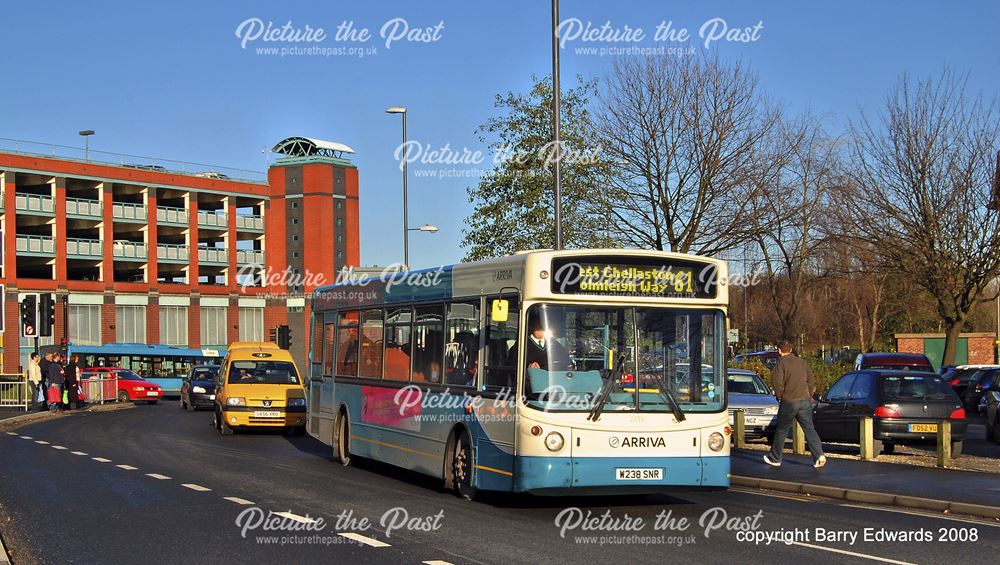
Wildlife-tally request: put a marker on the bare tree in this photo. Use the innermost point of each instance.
(922, 196)
(684, 134)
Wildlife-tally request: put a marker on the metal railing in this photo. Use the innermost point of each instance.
(249, 222)
(83, 207)
(99, 390)
(212, 219)
(82, 155)
(79, 247)
(39, 244)
(171, 215)
(173, 252)
(129, 250)
(35, 203)
(249, 257)
(213, 255)
(14, 392)
(128, 211)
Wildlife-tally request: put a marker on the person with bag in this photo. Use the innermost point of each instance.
(72, 383)
(34, 378)
(56, 378)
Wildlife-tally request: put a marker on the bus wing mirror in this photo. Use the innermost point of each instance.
(500, 311)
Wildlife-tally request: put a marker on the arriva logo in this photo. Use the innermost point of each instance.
(626, 441)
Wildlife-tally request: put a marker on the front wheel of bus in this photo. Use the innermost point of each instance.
(343, 442)
(461, 467)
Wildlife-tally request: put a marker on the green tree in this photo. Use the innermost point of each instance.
(514, 202)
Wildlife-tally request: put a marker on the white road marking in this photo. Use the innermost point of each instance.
(198, 488)
(58, 447)
(127, 467)
(852, 553)
(78, 452)
(928, 514)
(296, 517)
(101, 460)
(436, 562)
(158, 476)
(363, 539)
(26, 437)
(238, 500)
(41, 442)
(11, 433)
(800, 498)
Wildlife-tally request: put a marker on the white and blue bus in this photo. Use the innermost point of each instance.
(165, 365)
(585, 371)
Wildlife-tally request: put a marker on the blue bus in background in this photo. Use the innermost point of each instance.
(165, 365)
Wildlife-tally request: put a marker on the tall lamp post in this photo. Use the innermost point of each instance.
(557, 169)
(406, 220)
(86, 140)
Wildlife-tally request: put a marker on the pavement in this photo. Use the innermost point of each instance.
(130, 483)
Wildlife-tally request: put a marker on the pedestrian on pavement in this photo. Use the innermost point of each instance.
(794, 386)
(34, 374)
(56, 380)
(73, 381)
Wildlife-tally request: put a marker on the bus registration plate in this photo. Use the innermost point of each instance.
(639, 474)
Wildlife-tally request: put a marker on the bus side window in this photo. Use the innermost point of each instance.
(461, 353)
(501, 350)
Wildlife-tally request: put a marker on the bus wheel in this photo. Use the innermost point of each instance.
(461, 467)
(343, 441)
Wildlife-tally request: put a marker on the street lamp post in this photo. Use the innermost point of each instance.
(557, 168)
(86, 140)
(406, 220)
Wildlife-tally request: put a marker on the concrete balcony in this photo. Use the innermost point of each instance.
(213, 256)
(84, 209)
(37, 204)
(250, 223)
(212, 220)
(36, 245)
(77, 248)
(173, 253)
(129, 251)
(128, 212)
(171, 216)
(249, 257)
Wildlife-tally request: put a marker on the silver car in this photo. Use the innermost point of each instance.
(748, 392)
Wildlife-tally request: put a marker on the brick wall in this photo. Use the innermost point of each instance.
(981, 350)
(910, 345)
(194, 324)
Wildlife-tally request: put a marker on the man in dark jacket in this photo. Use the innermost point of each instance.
(794, 386)
(56, 378)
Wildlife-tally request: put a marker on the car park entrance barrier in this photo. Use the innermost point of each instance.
(99, 390)
(14, 392)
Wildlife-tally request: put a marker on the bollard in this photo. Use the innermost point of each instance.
(798, 440)
(944, 444)
(740, 440)
(868, 439)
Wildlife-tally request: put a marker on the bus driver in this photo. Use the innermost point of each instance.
(543, 351)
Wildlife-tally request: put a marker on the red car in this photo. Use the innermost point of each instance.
(131, 387)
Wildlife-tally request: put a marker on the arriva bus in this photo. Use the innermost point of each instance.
(548, 372)
(165, 365)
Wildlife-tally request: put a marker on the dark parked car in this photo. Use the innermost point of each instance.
(768, 357)
(992, 397)
(893, 361)
(198, 388)
(907, 407)
(960, 376)
(977, 386)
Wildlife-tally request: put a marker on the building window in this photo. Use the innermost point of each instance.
(340, 221)
(85, 324)
(174, 325)
(295, 205)
(251, 324)
(295, 221)
(295, 254)
(130, 324)
(340, 204)
(340, 237)
(340, 255)
(213, 325)
(295, 237)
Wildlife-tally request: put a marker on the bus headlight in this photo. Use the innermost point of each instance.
(554, 441)
(236, 401)
(716, 441)
(296, 401)
(198, 390)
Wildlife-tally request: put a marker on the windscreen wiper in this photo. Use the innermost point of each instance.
(606, 387)
(675, 407)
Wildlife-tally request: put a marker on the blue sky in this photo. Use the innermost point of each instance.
(171, 80)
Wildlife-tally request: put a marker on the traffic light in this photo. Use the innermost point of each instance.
(29, 312)
(273, 335)
(284, 337)
(46, 315)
